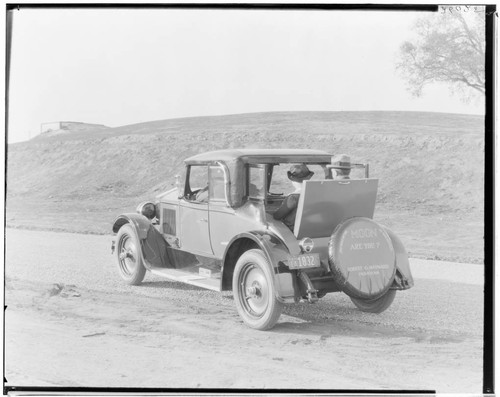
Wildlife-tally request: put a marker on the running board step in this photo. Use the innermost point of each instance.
(213, 284)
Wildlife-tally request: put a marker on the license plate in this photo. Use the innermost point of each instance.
(303, 261)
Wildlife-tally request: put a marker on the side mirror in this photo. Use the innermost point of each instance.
(179, 186)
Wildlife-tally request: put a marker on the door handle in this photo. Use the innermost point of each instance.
(202, 220)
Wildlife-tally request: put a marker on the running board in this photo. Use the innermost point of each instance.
(189, 278)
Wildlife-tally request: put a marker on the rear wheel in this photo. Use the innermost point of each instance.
(253, 290)
(128, 253)
(377, 305)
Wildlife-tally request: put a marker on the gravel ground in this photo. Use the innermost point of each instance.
(164, 334)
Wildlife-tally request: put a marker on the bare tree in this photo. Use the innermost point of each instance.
(449, 48)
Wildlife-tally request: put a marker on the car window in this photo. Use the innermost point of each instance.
(217, 183)
(256, 181)
(198, 179)
(280, 184)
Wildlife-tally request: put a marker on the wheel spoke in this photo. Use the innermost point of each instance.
(128, 255)
(254, 290)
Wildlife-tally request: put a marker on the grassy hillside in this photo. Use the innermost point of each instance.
(430, 167)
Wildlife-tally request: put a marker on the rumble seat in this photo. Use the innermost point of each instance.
(325, 204)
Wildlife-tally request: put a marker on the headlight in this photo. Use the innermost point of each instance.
(306, 244)
(148, 209)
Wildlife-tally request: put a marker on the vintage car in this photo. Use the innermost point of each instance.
(216, 230)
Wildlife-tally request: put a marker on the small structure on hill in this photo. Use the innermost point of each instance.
(59, 127)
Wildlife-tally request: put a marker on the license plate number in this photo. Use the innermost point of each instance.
(303, 261)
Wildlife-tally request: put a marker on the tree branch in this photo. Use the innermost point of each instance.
(449, 51)
(475, 43)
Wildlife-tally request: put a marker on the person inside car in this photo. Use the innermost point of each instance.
(342, 164)
(298, 173)
(202, 195)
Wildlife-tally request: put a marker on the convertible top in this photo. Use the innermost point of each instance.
(261, 156)
(236, 159)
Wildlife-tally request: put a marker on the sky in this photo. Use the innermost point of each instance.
(117, 67)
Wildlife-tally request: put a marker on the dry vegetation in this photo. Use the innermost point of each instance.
(430, 166)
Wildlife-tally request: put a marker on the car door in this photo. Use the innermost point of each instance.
(193, 213)
(227, 222)
(222, 219)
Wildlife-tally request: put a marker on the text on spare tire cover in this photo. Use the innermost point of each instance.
(364, 257)
(365, 234)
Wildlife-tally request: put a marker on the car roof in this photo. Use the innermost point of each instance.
(259, 156)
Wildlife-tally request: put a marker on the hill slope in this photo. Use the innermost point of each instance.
(430, 167)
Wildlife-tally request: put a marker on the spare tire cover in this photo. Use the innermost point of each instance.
(362, 258)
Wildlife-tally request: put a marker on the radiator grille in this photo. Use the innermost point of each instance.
(169, 222)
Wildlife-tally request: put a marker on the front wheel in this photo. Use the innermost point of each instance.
(129, 257)
(253, 291)
(377, 305)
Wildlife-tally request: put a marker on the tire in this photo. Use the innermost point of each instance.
(377, 305)
(128, 254)
(253, 291)
(362, 258)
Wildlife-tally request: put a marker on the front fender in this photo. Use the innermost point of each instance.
(153, 247)
(402, 262)
(140, 223)
(276, 252)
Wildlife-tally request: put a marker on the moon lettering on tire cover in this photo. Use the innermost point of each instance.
(362, 258)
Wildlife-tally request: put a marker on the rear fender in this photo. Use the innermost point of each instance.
(276, 253)
(140, 223)
(405, 279)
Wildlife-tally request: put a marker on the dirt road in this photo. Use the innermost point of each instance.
(70, 321)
